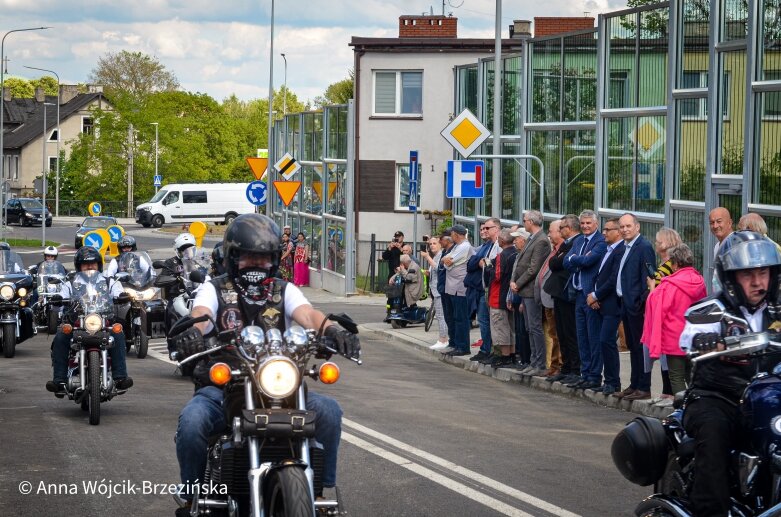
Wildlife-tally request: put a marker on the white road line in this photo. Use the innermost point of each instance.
(505, 489)
(436, 477)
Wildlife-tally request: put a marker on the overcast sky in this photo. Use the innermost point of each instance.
(222, 47)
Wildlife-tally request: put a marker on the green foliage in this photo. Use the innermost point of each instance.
(20, 88)
(337, 93)
(48, 83)
(132, 73)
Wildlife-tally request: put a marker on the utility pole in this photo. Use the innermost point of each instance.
(130, 170)
(57, 175)
(156, 142)
(43, 175)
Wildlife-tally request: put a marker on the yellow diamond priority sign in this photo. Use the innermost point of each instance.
(287, 166)
(465, 133)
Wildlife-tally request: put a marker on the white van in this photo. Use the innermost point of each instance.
(189, 202)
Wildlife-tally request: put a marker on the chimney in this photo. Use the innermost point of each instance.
(428, 26)
(552, 25)
(40, 96)
(521, 29)
(68, 92)
(6, 94)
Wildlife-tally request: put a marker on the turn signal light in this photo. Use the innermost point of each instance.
(116, 328)
(329, 373)
(220, 374)
(67, 328)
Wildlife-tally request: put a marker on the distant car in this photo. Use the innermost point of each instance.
(26, 211)
(92, 223)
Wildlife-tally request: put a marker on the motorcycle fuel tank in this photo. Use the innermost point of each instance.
(761, 409)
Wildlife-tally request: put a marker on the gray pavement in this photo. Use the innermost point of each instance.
(416, 336)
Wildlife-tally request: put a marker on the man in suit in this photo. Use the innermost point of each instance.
(552, 349)
(564, 302)
(499, 271)
(605, 301)
(583, 262)
(476, 282)
(637, 264)
(527, 266)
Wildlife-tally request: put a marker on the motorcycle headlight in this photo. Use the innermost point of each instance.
(93, 323)
(278, 377)
(6, 292)
(22, 292)
(148, 294)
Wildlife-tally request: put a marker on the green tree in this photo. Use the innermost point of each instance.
(48, 83)
(20, 88)
(337, 93)
(132, 73)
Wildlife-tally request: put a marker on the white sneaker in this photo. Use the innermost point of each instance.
(439, 345)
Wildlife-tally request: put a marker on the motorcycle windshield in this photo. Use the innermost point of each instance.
(49, 270)
(200, 262)
(90, 289)
(138, 266)
(11, 263)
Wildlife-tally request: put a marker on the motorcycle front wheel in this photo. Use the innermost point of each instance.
(94, 388)
(52, 322)
(398, 324)
(9, 340)
(287, 493)
(141, 343)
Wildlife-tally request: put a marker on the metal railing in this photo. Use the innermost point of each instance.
(77, 207)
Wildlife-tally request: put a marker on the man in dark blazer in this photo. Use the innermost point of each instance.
(605, 301)
(563, 303)
(583, 262)
(637, 265)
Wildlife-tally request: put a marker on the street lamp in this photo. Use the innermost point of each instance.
(155, 124)
(270, 98)
(2, 101)
(284, 99)
(57, 174)
(43, 182)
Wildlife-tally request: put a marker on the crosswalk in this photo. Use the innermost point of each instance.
(158, 349)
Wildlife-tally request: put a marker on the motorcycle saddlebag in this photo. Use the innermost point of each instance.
(640, 452)
(25, 324)
(155, 318)
(278, 423)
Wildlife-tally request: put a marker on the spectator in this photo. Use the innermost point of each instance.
(558, 286)
(664, 313)
(406, 249)
(499, 271)
(754, 222)
(454, 300)
(392, 254)
(301, 260)
(720, 222)
(476, 283)
(583, 262)
(286, 231)
(286, 260)
(632, 291)
(433, 256)
(527, 266)
(552, 350)
(412, 279)
(604, 300)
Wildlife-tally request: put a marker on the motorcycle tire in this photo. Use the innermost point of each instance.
(142, 343)
(398, 324)
(430, 313)
(52, 321)
(9, 340)
(94, 388)
(287, 493)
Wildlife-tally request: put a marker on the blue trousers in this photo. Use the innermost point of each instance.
(457, 318)
(633, 330)
(588, 323)
(484, 320)
(60, 350)
(202, 417)
(608, 337)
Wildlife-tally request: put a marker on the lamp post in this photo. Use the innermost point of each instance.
(57, 174)
(270, 100)
(2, 101)
(43, 182)
(156, 141)
(284, 99)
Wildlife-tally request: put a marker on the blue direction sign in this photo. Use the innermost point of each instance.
(158, 180)
(94, 240)
(256, 193)
(115, 232)
(465, 179)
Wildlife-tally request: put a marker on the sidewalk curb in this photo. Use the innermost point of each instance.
(650, 408)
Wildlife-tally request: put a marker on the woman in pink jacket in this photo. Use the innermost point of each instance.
(664, 312)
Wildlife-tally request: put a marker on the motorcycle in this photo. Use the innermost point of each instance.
(659, 453)
(50, 276)
(16, 316)
(89, 381)
(267, 460)
(144, 314)
(398, 313)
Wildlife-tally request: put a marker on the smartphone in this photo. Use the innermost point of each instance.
(650, 271)
(425, 238)
(422, 246)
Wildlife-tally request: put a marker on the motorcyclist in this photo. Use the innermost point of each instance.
(50, 254)
(88, 259)
(125, 245)
(173, 268)
(217, 268)
(748, 267)
(249, 293)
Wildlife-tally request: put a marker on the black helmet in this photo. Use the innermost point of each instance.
(217, 260)
(87, 254)
(127, 241)
(253, 233)
(746, 250)
(4, 246)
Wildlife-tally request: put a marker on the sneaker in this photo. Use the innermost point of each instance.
(487, 359)
(55, 386)
(501, 361)
(439, 345)
(477, 344)
(458, 353)
(123, 383)
(478, 356)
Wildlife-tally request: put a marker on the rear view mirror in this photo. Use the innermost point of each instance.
(706, 311)
(158, 264)
(197, 277)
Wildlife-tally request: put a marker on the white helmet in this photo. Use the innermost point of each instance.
(182, 242)
(50, 251)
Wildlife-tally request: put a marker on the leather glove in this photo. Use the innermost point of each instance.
(188, 343)
(706, 341)
(347, 344)
(122, 298)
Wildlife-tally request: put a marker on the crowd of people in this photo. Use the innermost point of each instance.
(560, 304)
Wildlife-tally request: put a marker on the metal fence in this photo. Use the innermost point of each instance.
(77, 207)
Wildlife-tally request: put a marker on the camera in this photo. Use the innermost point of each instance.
(425, 238)
(395, 239)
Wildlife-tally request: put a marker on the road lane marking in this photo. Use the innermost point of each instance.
(18, 407)
(436, 477)
(470, 474)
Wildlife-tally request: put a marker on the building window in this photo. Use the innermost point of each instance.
(398, 93)
(697, 109)
(15, 166)
(53, 136)
(771, 105)
(87, 125)
(52, 163)
(402, 187)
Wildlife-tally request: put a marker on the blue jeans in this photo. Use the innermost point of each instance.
(633, 330)
(608, 336)
(588, 323)
(484, 320)
(457, 317)
(61, 346)
(203, 417)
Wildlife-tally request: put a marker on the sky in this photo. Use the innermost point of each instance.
(222, 48)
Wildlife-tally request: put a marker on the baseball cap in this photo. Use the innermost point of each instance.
(459, 229)
(520, 232)
(398, 233)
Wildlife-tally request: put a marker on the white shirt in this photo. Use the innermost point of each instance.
(206, 296)
(112, 268)
(754, 321)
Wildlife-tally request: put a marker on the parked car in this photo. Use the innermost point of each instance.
(92, 223)
(26, 211)
(189, 202)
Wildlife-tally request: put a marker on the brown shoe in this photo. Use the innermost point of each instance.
(624, 393)
(638, 395)
(551, 372)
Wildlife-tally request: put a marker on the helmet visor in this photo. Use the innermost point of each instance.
(188, 252)
(750, 255)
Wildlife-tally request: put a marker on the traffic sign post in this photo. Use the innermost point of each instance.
(94, 208)
(158, 182)
(258, 166)
(287, 166)
(115, 232)
(198, 229)
(257, 193)
(465, 133)
(465, 179)
(414, 168)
